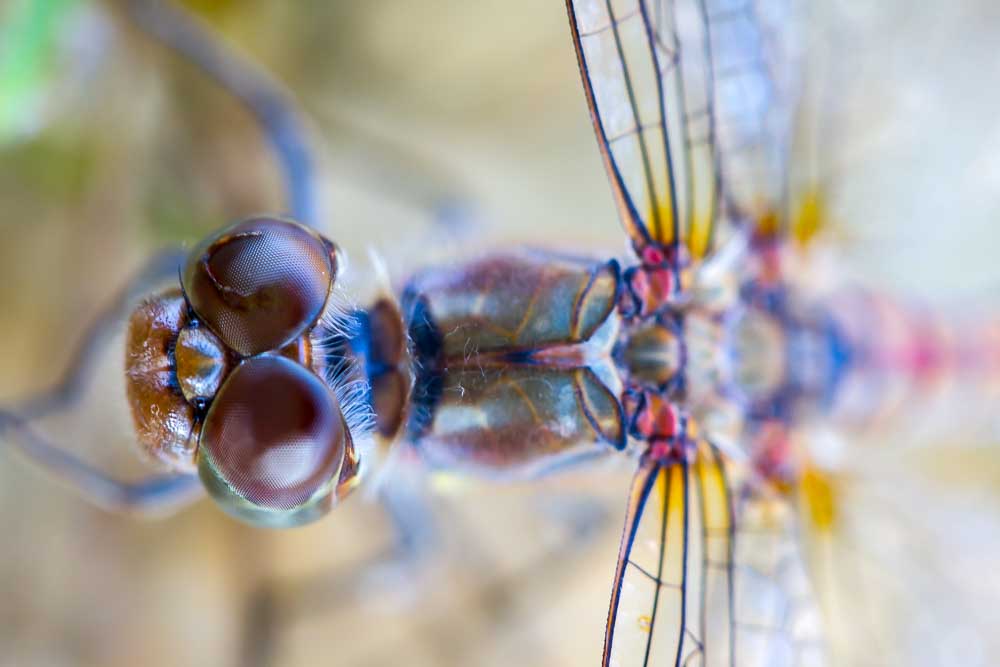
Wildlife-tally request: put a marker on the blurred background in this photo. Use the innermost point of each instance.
(111, 148)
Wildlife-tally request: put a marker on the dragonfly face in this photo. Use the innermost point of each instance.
(224, 375)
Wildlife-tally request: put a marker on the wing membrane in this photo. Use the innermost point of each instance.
(756, 76)
(646, 72)
(776, 617)
(671, 601)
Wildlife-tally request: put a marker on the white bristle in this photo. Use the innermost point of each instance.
(342, 373)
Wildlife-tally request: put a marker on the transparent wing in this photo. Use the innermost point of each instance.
(776, 616)
(817, 147)
(671, 602)
(757, 76)
(646, 70)
(901, 540)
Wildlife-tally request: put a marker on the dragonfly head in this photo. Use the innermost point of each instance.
(222, 376)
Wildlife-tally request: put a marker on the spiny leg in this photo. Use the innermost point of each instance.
(284, 128)
(403, 175)
(156, 493)
(384, 167)
(160, 267)
(153, 494)
(263, 97)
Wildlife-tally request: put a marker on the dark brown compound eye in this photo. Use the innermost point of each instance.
(260, 283)
(273, 441)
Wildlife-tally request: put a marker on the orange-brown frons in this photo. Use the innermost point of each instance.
(165, 423)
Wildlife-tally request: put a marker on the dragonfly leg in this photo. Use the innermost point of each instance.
(388, 169)
(160, 267)
(152, 494)
(401, 174)
(264, 98)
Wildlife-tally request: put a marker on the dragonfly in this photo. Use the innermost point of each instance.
(253, 377)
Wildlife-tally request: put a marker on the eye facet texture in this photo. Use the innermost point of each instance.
(260, 283)
(274, 434)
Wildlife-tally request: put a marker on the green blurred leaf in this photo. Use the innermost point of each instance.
(29, 39)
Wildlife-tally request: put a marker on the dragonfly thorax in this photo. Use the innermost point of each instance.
(657, 283)
(652, 352)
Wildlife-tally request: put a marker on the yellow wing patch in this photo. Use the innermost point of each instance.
(810, 218)
(671, 599)
(819, 498)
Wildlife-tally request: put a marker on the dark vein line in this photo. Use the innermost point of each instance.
(631, 219)
(730, 553)
(651, 39)
(644, 152)
(710, 102)
(684, 563)
(657, 580)
(700, 491)
(663, 548)
(614, 21)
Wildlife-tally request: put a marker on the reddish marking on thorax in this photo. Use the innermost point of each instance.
(768, 250)
(654, 416)
(653, 256)
(773, 453)
(656, 420)
(653, 282)
(663, 449)
(771, 268)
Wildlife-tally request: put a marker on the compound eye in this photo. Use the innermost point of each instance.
(273, 443)
(261, 283)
